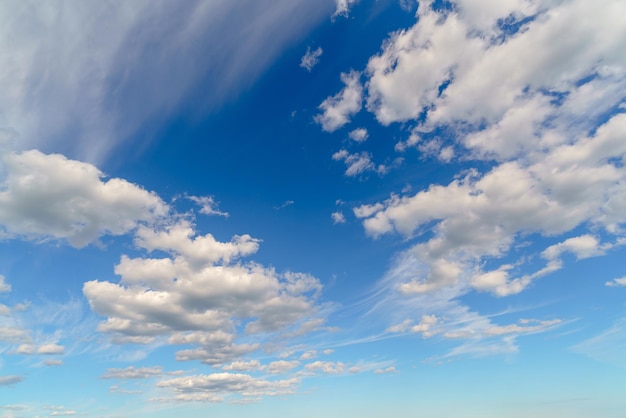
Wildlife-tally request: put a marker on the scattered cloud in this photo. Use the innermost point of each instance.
(208, 205)
(616, 282)
(338, 218)
(337, 110)
(4, 287)
(197, 293)
(284, 204)
(326, 367)
(390, 369)
(45, 349)
(358, 163)
(359, 135)
(343, 7)
(117, 84)
(282, 366)
(45, 196)
(311, 58)
(243, 366)
(219, 387)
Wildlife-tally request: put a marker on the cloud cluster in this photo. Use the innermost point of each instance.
(548, 120)
(337, 110)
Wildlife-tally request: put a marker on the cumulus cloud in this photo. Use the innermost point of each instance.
(311, 58)
(4, 287)
(63, 82)
(326, 367)
(359, 135)
(243, 366)
(338, 218)
(337, 110)
(45, 196)
(343, 7)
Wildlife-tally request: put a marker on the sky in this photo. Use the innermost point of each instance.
(339, 208)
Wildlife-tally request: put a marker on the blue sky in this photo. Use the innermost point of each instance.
(339, 208)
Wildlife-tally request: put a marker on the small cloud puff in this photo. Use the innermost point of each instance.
(311, 58)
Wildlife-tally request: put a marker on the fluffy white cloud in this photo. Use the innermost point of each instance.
(338, 217)
(63, 82)
(311, 58)
(49, 196)
(198, 295)
(359, 135)
(343, 7)
(337, 110)
(480, 215)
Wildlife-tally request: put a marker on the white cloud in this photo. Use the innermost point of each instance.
(133, 373)
(282, 366)
(616, 282)
(45, 349)
(208, 205)
(4, 287)
(358, 163)
(53, 362)
(478, 215)
(338, 109)
(198, 293)
(243, 366)
(424, 327)
(584, 246)
(311, 58)
(49, 196)
(390, 369)
(343, 7)
(218, 387)
(359, 135)
(338, 218)
(308, 355)
(64, 82)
